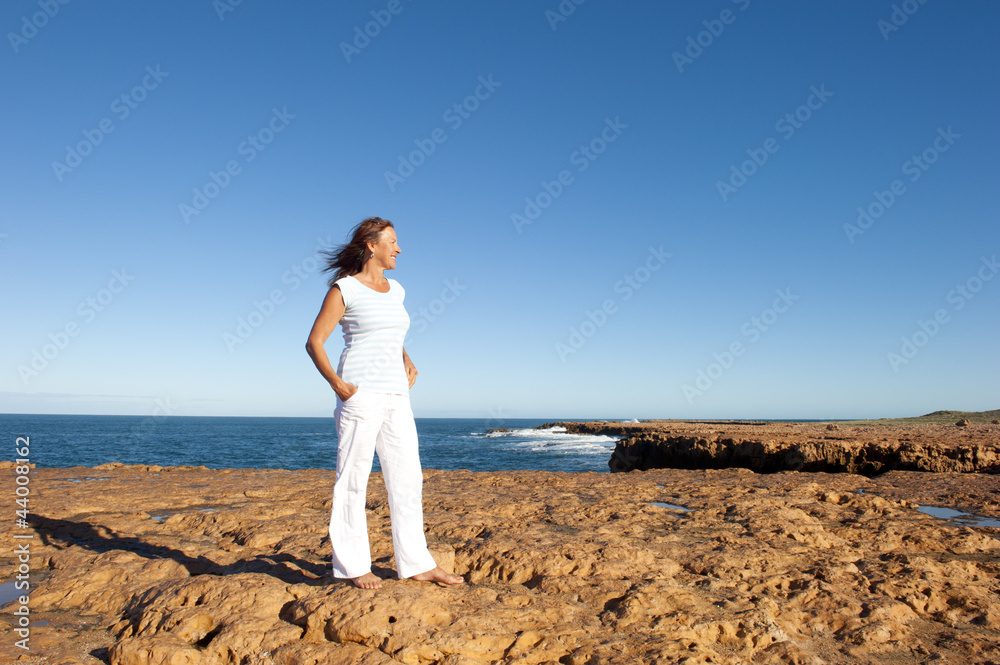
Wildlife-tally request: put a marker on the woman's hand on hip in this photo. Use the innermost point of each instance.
(346, 391)
(411, 370)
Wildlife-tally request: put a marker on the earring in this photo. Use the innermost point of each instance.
(372, 256)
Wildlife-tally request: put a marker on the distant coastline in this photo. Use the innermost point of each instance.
(939, 442)
(933, 418)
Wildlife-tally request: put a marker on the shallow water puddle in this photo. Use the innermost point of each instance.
(8, 593)
(958, 517)
(162, 516)
(660, 504)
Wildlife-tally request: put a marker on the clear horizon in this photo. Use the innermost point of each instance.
(548, 418)
(730, 211)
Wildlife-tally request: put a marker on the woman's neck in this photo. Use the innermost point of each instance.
(372, 274)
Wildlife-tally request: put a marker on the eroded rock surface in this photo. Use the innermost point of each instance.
(149, 565)
(769, 447)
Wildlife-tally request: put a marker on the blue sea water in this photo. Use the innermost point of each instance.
(292, 443)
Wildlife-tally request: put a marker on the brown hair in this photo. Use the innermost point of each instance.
(350, 259)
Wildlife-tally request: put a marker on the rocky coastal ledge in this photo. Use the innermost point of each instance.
(768, 447)
(137, 565)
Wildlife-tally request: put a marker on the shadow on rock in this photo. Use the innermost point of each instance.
(63, 534)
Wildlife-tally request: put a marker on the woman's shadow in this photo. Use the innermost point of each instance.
(63, 534)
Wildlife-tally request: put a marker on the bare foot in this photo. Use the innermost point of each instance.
(438, 575)
(367, 581)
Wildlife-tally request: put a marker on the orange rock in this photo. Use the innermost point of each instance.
(191, 566)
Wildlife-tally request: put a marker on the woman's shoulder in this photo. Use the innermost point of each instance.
(347, 288)
(349, 282)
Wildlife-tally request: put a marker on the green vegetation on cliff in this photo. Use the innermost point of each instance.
(937, 417)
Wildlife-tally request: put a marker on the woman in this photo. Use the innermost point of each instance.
(373, 412)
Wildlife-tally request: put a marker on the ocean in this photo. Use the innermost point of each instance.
(293, 443)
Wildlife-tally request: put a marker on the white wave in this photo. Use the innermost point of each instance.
(531, 432)
(556, 440)
(582, 448)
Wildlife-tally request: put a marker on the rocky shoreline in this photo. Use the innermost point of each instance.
(138, 565)
(766, 447)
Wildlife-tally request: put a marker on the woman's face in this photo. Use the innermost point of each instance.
(386, 249)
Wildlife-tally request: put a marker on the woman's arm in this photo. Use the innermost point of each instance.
(326, 321)
(411, 371)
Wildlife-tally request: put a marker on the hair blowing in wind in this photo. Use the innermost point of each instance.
(350, 259)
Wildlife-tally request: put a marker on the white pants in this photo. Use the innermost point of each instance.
(373, 421)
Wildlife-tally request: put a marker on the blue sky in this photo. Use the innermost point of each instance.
(625, 210)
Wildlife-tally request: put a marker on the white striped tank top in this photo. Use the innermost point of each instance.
(374, 326)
